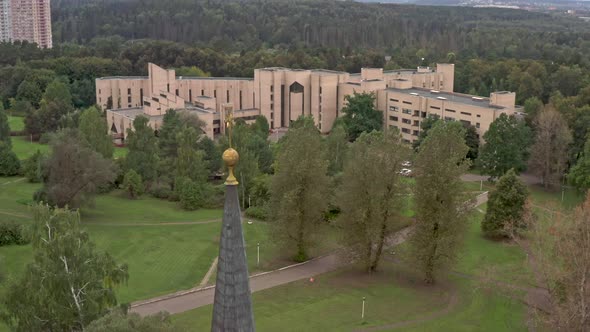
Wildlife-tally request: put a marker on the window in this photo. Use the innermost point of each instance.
(405, 130)
(450, 110)
(393, 118)
(214, 93)
(272, 88)
(129, 99)
(129, 91)
(415, 133)
(465, 113)
(177, 92)
(168, 87)
(202, 92)
(448, 118)
(416, 113)
(435, 107)
(227, 95)
(394, 108)
(406, 111)
(99, 91)
(141, 96)
(416, 123)
(477, 125)
(406, 121)
(408, 102)
(241, 99)
(394, 100)
(190, 95)
(479, 116)
(423, 114)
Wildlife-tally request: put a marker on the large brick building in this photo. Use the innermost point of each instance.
(28, 20)
(405, 97)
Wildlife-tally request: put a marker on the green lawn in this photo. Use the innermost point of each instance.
(16, 123)
(24, 148)
(396, 294)
(120, 152)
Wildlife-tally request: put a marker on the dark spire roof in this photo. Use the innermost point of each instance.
(232, 307)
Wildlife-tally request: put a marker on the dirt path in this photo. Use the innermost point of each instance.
(209, 272)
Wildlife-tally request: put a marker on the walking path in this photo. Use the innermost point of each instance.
(198, 297)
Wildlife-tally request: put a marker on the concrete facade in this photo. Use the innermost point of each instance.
(28, 20)
(405, 97)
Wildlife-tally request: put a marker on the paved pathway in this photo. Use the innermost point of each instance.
(198, 297)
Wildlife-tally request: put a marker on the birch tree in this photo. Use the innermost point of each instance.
(68, 284)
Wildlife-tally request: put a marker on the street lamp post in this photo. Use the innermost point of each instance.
(363, 309)
(258, 254)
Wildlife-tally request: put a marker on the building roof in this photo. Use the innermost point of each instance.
(124, 78)
(214, 78)
(452, 97)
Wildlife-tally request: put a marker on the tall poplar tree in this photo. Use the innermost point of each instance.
(143, 149)
(372, 195)
(549, 153)
(94, 131)
(299, 190)
(438, 198)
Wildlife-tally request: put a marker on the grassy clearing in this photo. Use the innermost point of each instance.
(16, 123)
(120, 152)
(24, 148)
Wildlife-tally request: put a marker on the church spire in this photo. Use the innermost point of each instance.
(232, 306)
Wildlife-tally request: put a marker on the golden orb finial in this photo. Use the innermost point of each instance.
(231, 157)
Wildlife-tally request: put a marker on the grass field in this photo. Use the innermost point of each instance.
(16, 123)
(394, 295)
(24, 148)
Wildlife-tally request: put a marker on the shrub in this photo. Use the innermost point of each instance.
(161, 190)
(190, 194)
(215, 196)
(33, 167)
(12, 233)
(257, 212)
(133, 184)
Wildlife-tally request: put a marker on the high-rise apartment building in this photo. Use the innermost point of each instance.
(28, 20)
(5, 21)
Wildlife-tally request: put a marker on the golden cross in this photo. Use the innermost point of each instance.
(229, 121)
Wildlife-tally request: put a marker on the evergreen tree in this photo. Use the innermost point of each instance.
(506, 146)
(190, 162)
(94, 131)
(506, 206)
(299, 190)
(69, 284)
(4, 127)
(143, 149)
(438, 198)
(370, 196)
(360, 115)
(9, 163)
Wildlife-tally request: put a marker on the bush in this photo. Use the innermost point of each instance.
(9, 163)
(257, 212)
(45, 138)
(133, 184)
(12, 233)
(215, 196)
(161, 190)
(33, 167)
(190, 194)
